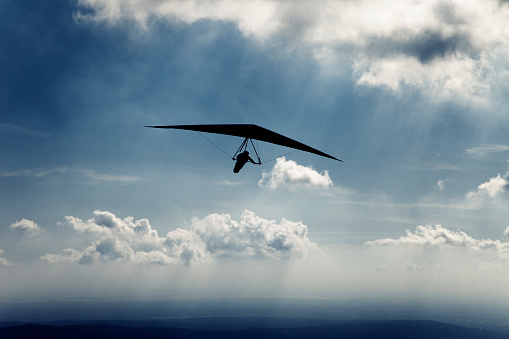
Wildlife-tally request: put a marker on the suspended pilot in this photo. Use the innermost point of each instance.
(242, 159)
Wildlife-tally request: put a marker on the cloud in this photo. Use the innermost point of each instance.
(217, 235)
(229, 183)
(4, 261)
(19, 130)
(411, 267)
(484, 149)
(447, 49)
(109, 178)
(186, 246)
(451, 77)
(425, 46)
(381, 268)
(36, 173)
(253, 237)
(106, 223)
(68, 255)
(491, 188)
(439, 237)
(26, 226)
(289, 174)
(96, 178)
(440, 185)
(485, 266)
(117, 240)
(430, 236)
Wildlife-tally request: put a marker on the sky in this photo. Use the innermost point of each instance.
(411, 95)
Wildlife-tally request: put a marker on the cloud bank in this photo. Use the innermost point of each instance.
(218, 255)
(217, 235)
(447, 49)
(289, 174)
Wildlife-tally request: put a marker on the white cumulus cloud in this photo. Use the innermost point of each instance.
(491, 188)
(253, 236)
(25, 225)
(217, 235)
(287, 173)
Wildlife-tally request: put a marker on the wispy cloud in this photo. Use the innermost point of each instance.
(418, 165)
(35, 173)
(229, 183)
(94, 176)
(20, 130)
(484, 149)
(382, 203)
(111, 178)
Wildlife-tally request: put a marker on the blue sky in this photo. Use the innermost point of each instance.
(410, 95)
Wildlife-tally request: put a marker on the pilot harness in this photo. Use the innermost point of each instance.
(243, 147)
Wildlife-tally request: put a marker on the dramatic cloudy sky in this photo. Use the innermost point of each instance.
(412, 95)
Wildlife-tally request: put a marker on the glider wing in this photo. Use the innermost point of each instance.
(252, 132)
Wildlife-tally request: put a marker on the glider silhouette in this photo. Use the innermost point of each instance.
(249, 132)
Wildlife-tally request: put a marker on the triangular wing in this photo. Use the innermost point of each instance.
(250, 131)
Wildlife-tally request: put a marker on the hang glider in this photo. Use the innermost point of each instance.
(250, 132)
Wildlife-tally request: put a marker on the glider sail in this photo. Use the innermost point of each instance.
(250, 131)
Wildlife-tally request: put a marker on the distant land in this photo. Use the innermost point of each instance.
(159, 317)
(196, 328)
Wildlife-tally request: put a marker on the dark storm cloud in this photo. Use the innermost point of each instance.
(425, 46)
